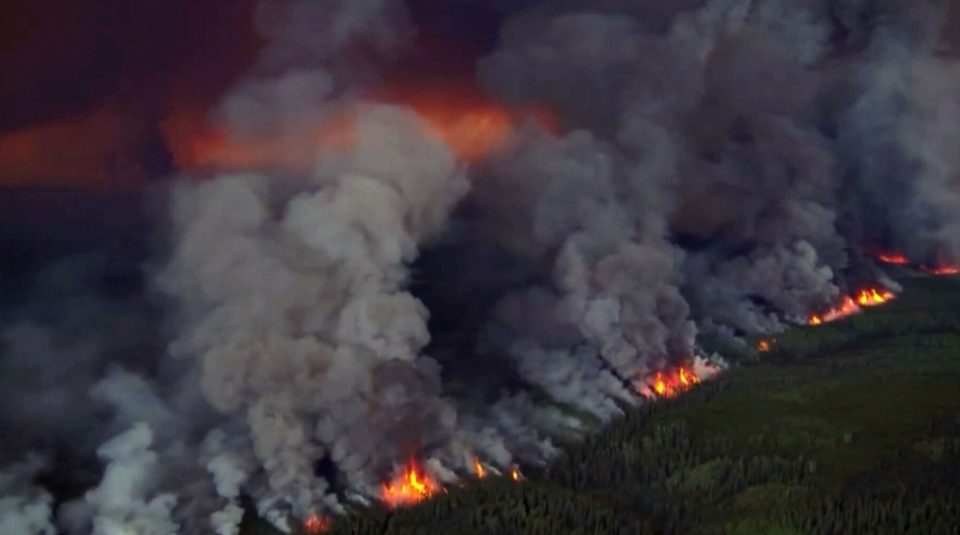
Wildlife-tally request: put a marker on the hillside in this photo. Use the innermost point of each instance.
(851, 427)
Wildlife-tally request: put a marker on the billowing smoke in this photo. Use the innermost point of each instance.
(293, 305)
(25, 507)
(896, 136)
(340, 287)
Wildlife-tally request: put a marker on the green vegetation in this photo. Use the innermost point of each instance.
(851, 427)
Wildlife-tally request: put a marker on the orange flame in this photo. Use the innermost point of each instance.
(872, 297)
(764, 346)
(472, 132)
(941, 270)
(479, 469)
(315, 523)
(470, 124)
(471, 127)
(515, 474)
(197, 144)
(672, 383)
(411, 486)
(892, 258)
(849, 306)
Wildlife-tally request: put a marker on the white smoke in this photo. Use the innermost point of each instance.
(25, 509)
(127, 499)
(295, 309)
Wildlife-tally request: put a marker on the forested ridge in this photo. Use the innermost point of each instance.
(851, 427)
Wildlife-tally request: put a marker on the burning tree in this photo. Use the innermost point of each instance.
(411, 486)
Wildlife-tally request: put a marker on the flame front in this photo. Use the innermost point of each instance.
(671, 383)
(479, 469)
(764, 346)
(515, 474)
(874, 297)
(896, 259)
(943, 270)
(315, 523)
(411, 486)
(851, 305)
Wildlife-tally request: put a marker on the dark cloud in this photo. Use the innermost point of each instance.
(86, 84)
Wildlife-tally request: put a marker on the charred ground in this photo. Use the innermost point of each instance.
(852, 427)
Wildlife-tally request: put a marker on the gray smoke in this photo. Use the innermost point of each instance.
(744, 122)
(720, 168)
(25, 509)
(612, 309)
(295, 310)
(899, 131)
(126, 500)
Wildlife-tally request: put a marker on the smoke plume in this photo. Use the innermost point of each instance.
(342, 280)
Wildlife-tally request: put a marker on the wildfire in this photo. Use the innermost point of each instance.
(471, 126)
(315, 523)
(471, 133)
(463, 118)
(892, 258)
(671, 383)
(851, 305)
(764, 346)
(941, 270)
(479, 469)
(873, 297)
(901, 260)
(410, 487)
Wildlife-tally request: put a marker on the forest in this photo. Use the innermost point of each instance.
(849, 427)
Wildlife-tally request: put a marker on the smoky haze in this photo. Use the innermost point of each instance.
(396, 232)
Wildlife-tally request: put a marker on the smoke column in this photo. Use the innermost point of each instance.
(349, 273)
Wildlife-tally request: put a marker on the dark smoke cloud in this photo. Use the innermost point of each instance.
(88, 84)
(896, 136)
(313, 320)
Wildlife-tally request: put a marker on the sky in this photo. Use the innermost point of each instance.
(97, 98)
(93, 91)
